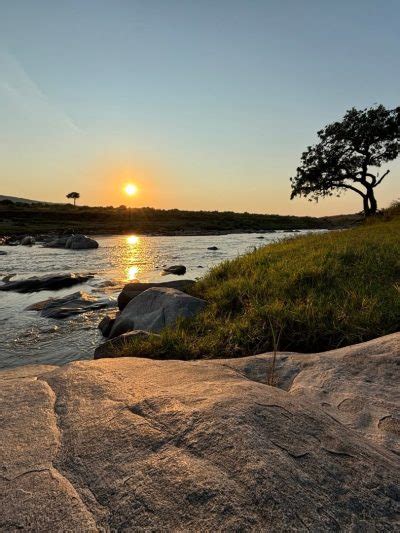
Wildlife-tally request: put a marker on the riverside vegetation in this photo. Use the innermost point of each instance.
(319, 292)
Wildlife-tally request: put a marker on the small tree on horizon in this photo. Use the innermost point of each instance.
(74, 196)
(348, 156)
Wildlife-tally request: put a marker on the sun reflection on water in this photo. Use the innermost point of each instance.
(132, 239)
(132, 272)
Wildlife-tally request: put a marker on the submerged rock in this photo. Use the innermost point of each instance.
(212, 248)
(2, 252)
(139, 445)
(72, 304)
(112, 347)
(131, 290)
(156, 308)
(45, 283)
(177, 270)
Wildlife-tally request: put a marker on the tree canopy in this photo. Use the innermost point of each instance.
(349, 155)
(73, 195)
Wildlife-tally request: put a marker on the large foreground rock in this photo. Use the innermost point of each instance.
(134, 444)
(72, 304)
(45, 283)
(131, 290)
(156, 308)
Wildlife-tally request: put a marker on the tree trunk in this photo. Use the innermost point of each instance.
(74, 201)
(373, 206)
(366, 207)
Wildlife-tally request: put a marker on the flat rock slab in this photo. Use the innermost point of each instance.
(133, 444)
(45, 283)
(72, 304)
(131, 290)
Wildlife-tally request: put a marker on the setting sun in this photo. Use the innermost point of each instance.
(130, 189)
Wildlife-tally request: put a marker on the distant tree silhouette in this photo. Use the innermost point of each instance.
(347, 150)
(74, 195)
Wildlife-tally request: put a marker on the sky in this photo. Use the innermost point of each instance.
(203, 104)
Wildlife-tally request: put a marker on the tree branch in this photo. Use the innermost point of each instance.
(345, 186)
(381, 178)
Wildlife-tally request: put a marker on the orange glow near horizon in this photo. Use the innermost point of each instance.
(130, 189)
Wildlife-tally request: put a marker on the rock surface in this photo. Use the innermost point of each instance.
(45, 283)
(133, 289)
(133, 444)
(72, 304)
(156, 308)
(111, 347)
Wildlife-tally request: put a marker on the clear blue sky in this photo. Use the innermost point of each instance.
(204, 104)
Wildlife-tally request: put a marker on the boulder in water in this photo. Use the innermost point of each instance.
(28, 240)
(72, 304)
(58, 242)
(177, 270)
(81, 242)
(45, 283)
(156, 308)
(212, 248)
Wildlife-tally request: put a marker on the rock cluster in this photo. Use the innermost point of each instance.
(73, 242)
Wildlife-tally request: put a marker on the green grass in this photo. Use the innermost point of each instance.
(320, 291)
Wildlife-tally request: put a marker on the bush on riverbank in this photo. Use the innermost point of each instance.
(319, 292)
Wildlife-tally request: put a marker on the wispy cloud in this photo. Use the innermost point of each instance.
(20, 91)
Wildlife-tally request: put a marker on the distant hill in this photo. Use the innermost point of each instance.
(16, 200)
(19, 216)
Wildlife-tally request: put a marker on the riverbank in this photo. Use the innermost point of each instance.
(311, 293)
(37, 220)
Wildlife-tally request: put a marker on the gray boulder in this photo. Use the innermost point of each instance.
(81, 242)
(45, 283)
(112, 347)
(131, 290)
(155, 309)
(133, 444)
(28, 240)
(72, 304)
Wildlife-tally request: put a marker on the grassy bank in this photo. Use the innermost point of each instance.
(16, 219)
(316, 293)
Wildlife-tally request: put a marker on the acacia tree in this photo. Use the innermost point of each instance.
(349, 155)
(74, 195)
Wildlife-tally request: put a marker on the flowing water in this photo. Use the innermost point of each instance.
(27, 338)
